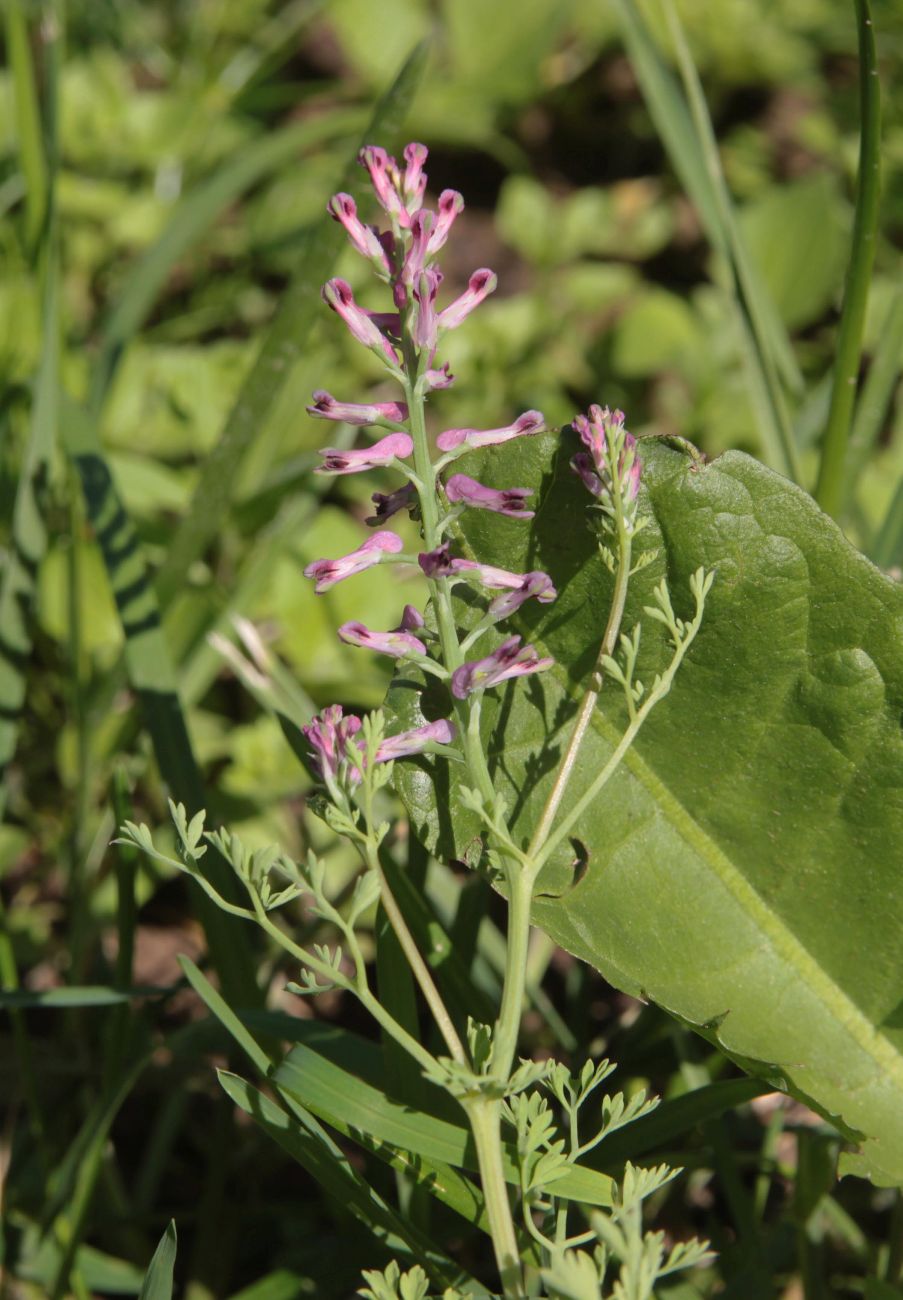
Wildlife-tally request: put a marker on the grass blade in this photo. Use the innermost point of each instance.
(153, 677)
(282, 346)
(887, 551)
(685, 127)
(830, 487)
(157, 1284)
(877, 392)
(28, 122)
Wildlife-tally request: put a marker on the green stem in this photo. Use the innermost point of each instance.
(418, 966)
(520, 895)
(830, 488)
(485, 1123)
(609, 641)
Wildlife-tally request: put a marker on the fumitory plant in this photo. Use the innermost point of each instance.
(530, 1121)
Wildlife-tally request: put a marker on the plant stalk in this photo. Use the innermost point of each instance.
(830, 487)
(485, 1123)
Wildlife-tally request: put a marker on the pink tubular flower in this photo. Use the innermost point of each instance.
(413, 183)
(421, 230)
(328, 736)
(441, 564)
(510, 659)
(536, 584)
(337, 295)
(342, 208)
(450, 205)
(442, 378)
(529, 423)
(417, 740)
(411, 620)
(384, 177)
(506, 501)
(480, 285)
(395, 445)
(325, 407)
(389, 503)
(397, 644)
(327, 573)
(426, 328)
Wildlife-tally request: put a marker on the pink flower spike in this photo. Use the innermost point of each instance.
(510, 659)
(417, 740)
(327, 573)
(602, 432)
(481, 284)
(342, 208)
(525, 425)
(536, 584)
(450, 205)
(389, 503)
(414, 180)
(397, 644)
(426, 328)
(395, 445)
(506, 501)
(337, 295)
(384, 178)
(325, 407)
(328, 736)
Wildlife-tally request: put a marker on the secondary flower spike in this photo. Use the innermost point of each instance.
(335, 461)
(326, 573)
(524, 426)
(463, 490)
(510, 659)
(325, 407)
(398, 644)
(328, 736)
(609, 445)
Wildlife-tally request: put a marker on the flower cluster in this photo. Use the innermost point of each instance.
(337, 748)
(406, 339)
(609, 468)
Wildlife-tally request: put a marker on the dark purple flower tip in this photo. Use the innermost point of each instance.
(582, 464)
(504, 501)
(411, 620)
(437, 563)
(510, 659)
(389, 503)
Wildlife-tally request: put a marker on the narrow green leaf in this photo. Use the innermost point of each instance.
(153, 676)
(218, 1006)
(349, 1104)
(830, 488)
(877, 392)
(887, 550)
(685, 127)
(744, 856)
(283, 345)
(157, 1284)
(75, 995)
(315, 1151)
(28, 120)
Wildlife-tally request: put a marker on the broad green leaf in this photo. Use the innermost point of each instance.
(742, 867)
(157, 1283)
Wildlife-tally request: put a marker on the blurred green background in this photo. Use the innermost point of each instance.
(197, 144)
